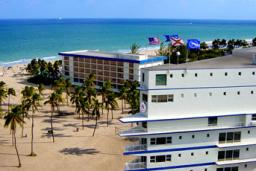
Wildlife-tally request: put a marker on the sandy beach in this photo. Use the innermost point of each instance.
(72, 150)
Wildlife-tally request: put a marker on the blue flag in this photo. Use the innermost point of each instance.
(193, 44)
(168, 38)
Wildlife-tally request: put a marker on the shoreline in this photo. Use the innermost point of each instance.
(148, 50)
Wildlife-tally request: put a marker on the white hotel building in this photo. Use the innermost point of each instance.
(116, 67)
(198, 116)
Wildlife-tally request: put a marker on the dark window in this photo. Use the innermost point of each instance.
(195, 74)
(237, 136)
(211, 74)
(230, 136)
(247, 149)
(192, 154)
(161, 140)
(208, 135)
(179, 155)
(161, 79)
(249, 132)
(229, 154)
(143, 77)
(239, 73)
(160, 159)
(193, 136)
(182, 75)
(206, 152)
(227, 169)
(238, 93)
(145, 97)
(180, 137)
(224, 93)
(226, 74)
(236, 154)
(252, 92)
(253, 73)
(221, 155)
(171, 75)
(220, 169)
(212, 121)
(254, 117)
(234, 168)
(222, 137)
(75, 79)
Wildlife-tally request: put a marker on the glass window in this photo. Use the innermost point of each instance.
(162, 98)
(170, 98)
(229, 154)
(237, 136)
(168, 158)
(143, 77)
(145, 97)
(220, 169)
(221, 155)
(152, 141)
(161, 140)
(254, 117)
(234, 168)
(152, 159)
(161, 79)
(160, 158)
(227, 169)
(236, 154)
(154, 98)
(169, 140)
(230, 136)
(212, 121)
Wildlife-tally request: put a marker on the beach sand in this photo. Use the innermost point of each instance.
(72, 150)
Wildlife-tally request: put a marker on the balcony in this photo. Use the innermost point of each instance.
(135, 148)
(133, 131)
(135, 165)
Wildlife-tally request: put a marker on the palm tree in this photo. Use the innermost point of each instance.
(53, 100)
(75, 98)
(3, 92)
(10, 92)
(40, 89)
(68, 86)
(105, 90)
(13, 119)
(123, 93)
(134, 48)
(96, 112)
(111, 104)
(134, 96)
(89, 87)
(31, 101)
(84, 107)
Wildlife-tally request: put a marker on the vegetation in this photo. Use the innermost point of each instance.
(134, 48)
(254, 41)
(43, 72)
(12, 119)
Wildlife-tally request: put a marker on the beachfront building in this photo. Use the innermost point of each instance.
(116, 67)
(198, 116)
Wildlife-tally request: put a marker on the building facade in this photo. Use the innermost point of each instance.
(116, 67)
(199, 116)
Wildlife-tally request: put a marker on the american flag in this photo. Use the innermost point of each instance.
(154, 41)
(169, 37)
(176, 41)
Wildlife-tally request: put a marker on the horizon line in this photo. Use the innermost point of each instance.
(91, 18)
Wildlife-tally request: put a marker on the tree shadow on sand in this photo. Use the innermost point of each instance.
(79, 151)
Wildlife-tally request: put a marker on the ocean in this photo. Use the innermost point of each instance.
(22, 40)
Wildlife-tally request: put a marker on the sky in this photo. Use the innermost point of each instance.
(171, 9)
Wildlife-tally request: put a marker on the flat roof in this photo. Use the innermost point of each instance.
(241, 58)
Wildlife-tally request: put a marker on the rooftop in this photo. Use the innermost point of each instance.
(241, 58)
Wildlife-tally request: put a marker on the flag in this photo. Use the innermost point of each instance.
(154, 41)
(176, 41)
(193, 44)
(168, 37)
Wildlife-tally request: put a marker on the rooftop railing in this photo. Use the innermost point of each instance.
(137, 129)
(134, 165)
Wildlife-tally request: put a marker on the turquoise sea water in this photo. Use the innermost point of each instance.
(26, 39)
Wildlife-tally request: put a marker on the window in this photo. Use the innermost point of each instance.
(161, 79)
(207, 152)
(162, 98)
(229, 137)
(192, 154)
(208, 135)
(254, 117)
(180, 137)
(193, 136)
(247, 149)
(212, 121)
(224, 93)
(239, 73)
(252, 92)
(253, 73)
(228, 169)
(195, 74)
(158, 159)
(248, 131)
(182, 75)
(211, 74)
(179, 155)
(143, 77)
(171, 75)
(238, 93)
(161, 140)
(226, 74)
(144, 97)
(229, 155)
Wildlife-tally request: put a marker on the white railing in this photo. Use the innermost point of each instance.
(135, 165)
(132, 148)
(134, 130)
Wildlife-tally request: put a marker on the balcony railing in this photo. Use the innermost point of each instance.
(133, 148)
(134, 165)
(133, 130)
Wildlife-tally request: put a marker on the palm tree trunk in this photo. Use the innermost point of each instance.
(83, 120)
(52, 127)
(22, 127)
(122, 106)
(96, 123)
(107, 117)
(13, 132)
(112, 114)
(8, 104)
(32, 136)
(67, 98)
